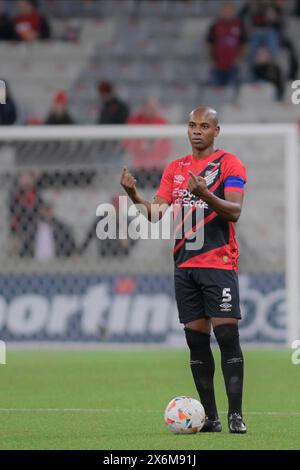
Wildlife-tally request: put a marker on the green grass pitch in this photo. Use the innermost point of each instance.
(115, 400)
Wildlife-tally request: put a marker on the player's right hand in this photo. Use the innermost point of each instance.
(128, 182)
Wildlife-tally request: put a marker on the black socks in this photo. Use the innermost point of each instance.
(203, 368)
(232, 364)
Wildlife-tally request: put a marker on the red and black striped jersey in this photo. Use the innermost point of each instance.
(223, 172)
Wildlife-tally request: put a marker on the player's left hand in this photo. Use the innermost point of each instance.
(197, 185)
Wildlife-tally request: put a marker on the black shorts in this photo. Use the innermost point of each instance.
(206, 292)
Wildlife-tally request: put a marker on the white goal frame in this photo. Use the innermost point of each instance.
(288, 132)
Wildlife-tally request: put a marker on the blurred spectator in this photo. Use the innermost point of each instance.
(6, 25)
(29, 24)
(227, 40)
(287, 44)
(59, 114)
(24, 206)
(148, 156)
(113, 109)
(8, 111)
(263, 22)
(265, 69)
(266, 19)
(53, 238)
(109, 247)
(296, 11)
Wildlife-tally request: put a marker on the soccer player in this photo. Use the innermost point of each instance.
(206, 282)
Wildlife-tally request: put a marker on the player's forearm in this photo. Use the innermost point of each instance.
(144, 206)
(151, 211)
(231, 211)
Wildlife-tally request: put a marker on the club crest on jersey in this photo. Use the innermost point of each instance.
(210, 176)
(179, 179)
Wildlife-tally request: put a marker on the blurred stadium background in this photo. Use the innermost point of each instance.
(94, 63)
(82, 76)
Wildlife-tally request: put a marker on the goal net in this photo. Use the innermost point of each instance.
(60, 282)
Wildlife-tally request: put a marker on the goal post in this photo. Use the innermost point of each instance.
(94, 138)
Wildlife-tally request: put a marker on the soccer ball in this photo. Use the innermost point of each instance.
(184, 415)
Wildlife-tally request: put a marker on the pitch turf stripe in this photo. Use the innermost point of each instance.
(116, 410)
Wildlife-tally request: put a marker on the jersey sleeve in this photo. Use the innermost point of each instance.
(166, 184)
(234, 174)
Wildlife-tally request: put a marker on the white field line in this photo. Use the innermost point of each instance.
(119, 410)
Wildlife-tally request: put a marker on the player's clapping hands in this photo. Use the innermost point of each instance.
(197, 185)
(128, 182)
